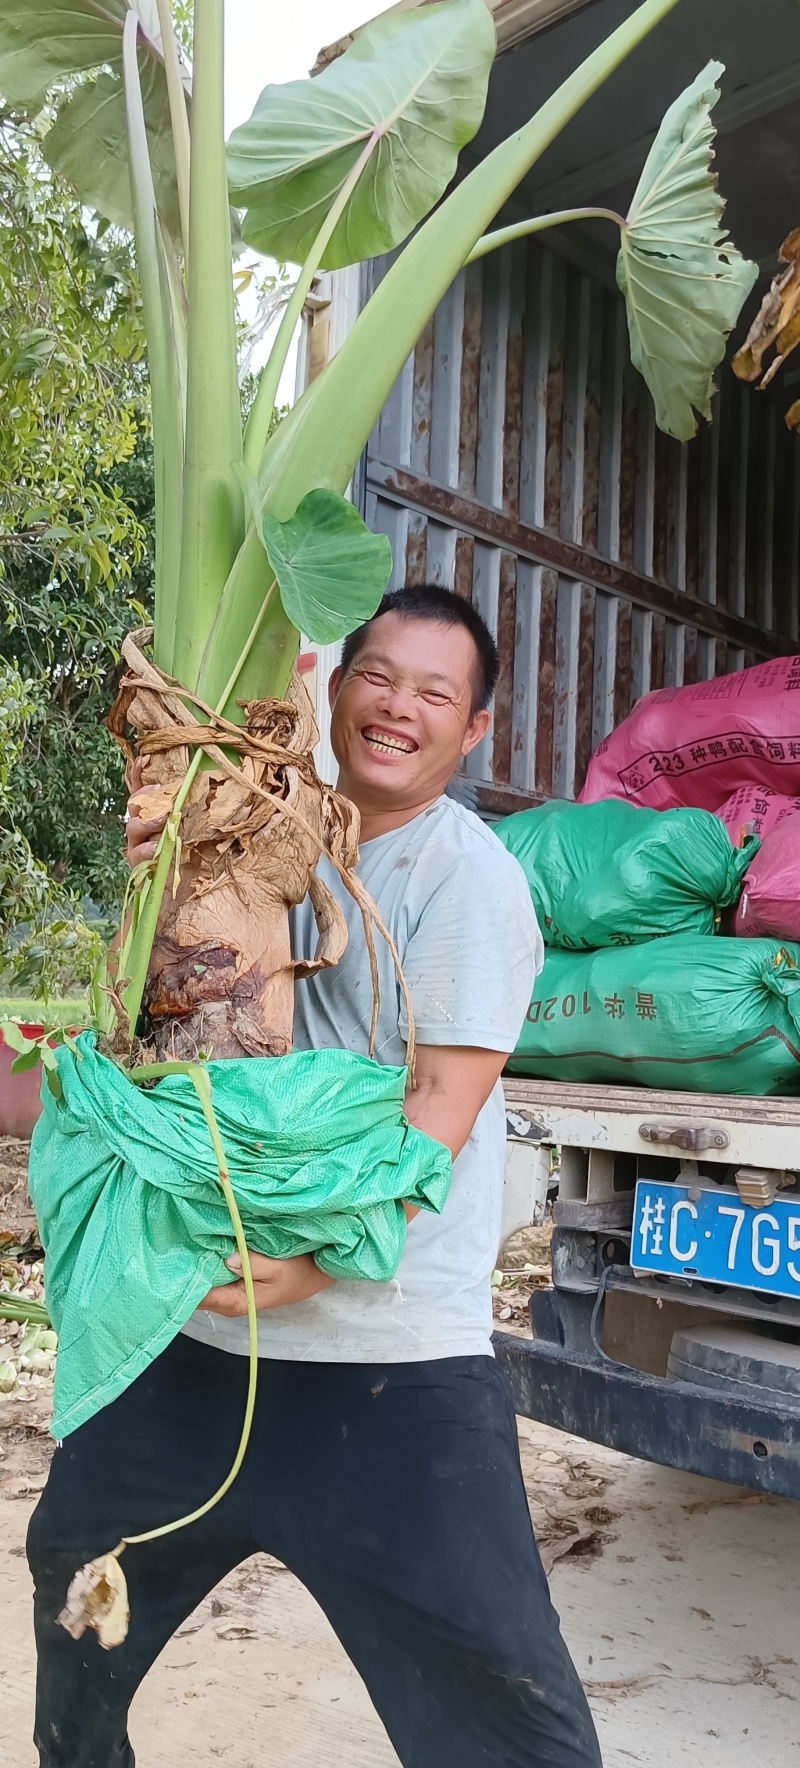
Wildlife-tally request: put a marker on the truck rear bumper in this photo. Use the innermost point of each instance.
(673, 1422)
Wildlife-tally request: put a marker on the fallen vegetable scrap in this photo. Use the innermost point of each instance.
(28, 1357)
(27, 1341)
(525, 1267)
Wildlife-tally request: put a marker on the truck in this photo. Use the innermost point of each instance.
(517, 461)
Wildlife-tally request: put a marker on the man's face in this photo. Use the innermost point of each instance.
(402, 715)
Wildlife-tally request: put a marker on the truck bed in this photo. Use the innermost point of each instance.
(750, 1131)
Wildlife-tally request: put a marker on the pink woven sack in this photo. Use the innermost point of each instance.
(755, 810)
(769, 906)
(697, 745)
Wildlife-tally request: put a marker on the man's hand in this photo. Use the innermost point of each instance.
(142, 836)
(277, 1282)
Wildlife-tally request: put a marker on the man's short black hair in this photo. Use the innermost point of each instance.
(429, 602)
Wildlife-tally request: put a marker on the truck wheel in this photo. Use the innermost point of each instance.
(741, 1361)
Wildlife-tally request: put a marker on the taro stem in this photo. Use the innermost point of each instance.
(202, 1086)
(97, 1596)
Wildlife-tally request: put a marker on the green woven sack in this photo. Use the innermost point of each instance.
(132, 1217)
(614, 874)
(701, 1015)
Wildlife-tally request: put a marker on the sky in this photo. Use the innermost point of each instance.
(271, 41)
(277, 40)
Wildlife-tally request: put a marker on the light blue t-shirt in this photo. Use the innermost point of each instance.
(459, 910)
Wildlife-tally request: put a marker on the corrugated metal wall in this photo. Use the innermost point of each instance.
(517, 461)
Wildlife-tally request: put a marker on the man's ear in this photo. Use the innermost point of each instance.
(476, 730)
(334, 684)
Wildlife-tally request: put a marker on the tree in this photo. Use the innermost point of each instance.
(76, 519)
(76, 543)
(45, 946)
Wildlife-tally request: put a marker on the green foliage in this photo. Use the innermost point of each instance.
(416, 95)
(87, 145)
(71, 387)
(64, 632)
(75, 522)
(37, 1050)
(76, 543)
(45, 946)
(331, 571)
(43, 46)
(183, 25)
(684, 282)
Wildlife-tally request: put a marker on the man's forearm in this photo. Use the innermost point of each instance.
(453, 1085)
(432, 1108)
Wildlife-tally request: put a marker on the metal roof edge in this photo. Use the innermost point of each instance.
(515, 20)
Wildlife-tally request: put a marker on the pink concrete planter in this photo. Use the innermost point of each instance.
(19, 1093)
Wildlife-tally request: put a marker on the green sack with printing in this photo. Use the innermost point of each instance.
(614, 874)
(697, 1015)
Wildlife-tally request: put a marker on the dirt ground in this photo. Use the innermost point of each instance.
(678, 1597)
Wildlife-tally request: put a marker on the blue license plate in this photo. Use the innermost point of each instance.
(715, 1238)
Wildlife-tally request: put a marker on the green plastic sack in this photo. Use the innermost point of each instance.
(132, 1217)
(615, 874)
(701, 1015)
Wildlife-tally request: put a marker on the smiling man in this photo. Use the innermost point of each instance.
(383, 1466)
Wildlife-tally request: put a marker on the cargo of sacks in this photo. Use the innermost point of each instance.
(707, 1015)
(669, 897)
(698, 745)
(730, 746)
(614, 874)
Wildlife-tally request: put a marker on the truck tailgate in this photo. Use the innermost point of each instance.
(713, 1126)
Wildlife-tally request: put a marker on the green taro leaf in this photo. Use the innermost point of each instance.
(415, 82)
(88, 146)
(684, 282)
(43, 43)
(331, 570)
(14, 1039)
(31, 1059)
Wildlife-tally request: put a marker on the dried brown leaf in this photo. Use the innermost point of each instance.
(331, 931)
(788, 340)
(774, 322)
(154, 803)
(257, 820)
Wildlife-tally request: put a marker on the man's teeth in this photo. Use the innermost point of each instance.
(388, 745)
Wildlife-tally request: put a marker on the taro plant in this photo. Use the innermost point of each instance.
(255, 540)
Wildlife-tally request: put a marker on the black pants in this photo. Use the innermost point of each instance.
(393, 1491)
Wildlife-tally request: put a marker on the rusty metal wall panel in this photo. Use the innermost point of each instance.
(517, 461)
(531, 713)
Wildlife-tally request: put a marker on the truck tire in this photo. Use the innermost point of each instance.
(737, 1360)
